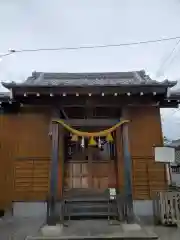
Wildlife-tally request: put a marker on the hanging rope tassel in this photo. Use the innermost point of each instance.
(92, 142)
(109, 138)
(99, 142)
(74, 138)
(82, 142)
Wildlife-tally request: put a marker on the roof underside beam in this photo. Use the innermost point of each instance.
(96, 90)
(91, 122)
(96, 101)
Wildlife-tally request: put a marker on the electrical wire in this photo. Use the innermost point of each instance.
(6, 54)
(159, 72)
(173, 59)
(89, 47)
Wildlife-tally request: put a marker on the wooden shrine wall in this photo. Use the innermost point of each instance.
(25, 152)
(31, 157)
(144, 132)
(6, 161)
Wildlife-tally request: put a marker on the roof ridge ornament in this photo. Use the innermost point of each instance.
(147, 78)
(137, 77)
(168, 92)
(39, 78)
(34, 74)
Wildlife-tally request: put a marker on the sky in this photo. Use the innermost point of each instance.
(35, 24)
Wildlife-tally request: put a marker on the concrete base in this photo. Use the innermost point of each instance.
(143, 207)
(29, 209)
(51, 231)
(131, 227)
(38, 209)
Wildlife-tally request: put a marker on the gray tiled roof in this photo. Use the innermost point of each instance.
(89, 79)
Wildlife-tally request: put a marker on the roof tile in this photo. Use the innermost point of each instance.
(90, 79)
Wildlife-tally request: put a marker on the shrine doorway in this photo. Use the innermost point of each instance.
(89, 167)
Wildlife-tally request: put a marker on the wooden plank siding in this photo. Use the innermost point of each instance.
(31, 179)
(32, 155)
(147, 178)
(31, 134)
(25, 157)
(6, 161)
(145, 131)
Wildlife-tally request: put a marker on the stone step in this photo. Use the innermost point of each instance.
(91, 214)
(86, 199)
(90, 208)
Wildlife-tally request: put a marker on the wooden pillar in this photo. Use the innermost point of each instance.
(127, 170)
(54, 161)
(90, 163)
(52, 215)
(119, 161)
(61, 164)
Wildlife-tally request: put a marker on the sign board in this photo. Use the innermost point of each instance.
(112, 192)
(164, 154)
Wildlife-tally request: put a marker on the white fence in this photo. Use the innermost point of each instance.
(166, 206)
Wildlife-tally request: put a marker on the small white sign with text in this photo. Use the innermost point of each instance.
(112, 193)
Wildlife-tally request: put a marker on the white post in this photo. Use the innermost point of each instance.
(168, 174)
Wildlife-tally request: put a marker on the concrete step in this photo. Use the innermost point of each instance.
(87, 199)
(91, 214)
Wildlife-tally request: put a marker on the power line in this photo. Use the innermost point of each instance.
(6, 54)
(172, 59)
(167, 58)
(89, 47)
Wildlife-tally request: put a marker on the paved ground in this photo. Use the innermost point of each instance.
(167, 233)
(101, 229)
(19, 228)
(164, 233)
